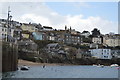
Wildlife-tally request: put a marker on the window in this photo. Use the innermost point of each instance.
(10, 30)
(105, 51)
(5, 30)
(2, 29)
(5, 35)
(105, 56)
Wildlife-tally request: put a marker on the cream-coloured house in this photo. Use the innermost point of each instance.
(97, 40)
(111, 40)
(28, 27)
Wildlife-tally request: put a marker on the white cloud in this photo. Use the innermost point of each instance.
(76, 22)
(41, 13)
(54, 14)
(36, 19)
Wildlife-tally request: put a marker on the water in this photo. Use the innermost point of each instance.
(65, 72)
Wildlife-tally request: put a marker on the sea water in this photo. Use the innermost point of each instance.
(65, 72)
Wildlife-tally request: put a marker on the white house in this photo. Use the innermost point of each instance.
(85, 33)
(101, 53)
(6, 33)
(97, 40)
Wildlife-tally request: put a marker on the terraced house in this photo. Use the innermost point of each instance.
(111, 40)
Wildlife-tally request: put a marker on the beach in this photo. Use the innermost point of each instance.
(29, 63)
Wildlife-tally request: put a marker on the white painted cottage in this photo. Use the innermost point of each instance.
(101, 53)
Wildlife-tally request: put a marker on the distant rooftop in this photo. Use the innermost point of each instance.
(47, 27)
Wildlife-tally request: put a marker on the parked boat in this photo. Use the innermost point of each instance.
(24, 67)
(114, 65)
(100, 66)
(94, 65)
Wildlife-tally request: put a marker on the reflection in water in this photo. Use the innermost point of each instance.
(64, 72)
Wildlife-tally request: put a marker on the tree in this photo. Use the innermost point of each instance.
(72, 52)
(95, 32)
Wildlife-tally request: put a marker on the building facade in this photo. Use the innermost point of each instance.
(97, 40)
(101, 53)
(28, 27)
(111, 40)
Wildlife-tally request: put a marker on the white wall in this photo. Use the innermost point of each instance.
(97, 40)
(47, 29)
(101, 53)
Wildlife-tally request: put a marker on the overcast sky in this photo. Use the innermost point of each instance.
(79, 15)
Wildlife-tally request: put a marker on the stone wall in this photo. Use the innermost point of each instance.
(9, 57)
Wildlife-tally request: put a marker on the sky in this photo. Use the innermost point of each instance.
(79, 15)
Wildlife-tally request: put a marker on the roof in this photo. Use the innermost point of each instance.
(47, 27)
(52, 45)
(85, 32)
(75, 35)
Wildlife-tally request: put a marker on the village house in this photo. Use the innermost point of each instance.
(85, 40)
(38, 35)
(71, 38)
(60, 36)
(6, 34)
(38, 26)
(3, 31)
(74, 32)
(115, 53)
(51, 36)
(17, 30)
(26, 34)
(76, 39)
(29, 27)
(27, 46)
(53, 47)
(17, 33)
(101, 53)
(94, 45)
(86, 34)
(97, 39)
(83, 54)
(111, 40)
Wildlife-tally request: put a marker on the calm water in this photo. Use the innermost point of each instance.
(65, 72)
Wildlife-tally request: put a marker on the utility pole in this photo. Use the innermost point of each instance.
(9, 23)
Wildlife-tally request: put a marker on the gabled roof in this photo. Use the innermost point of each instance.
(47, 27)
(52, 45)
